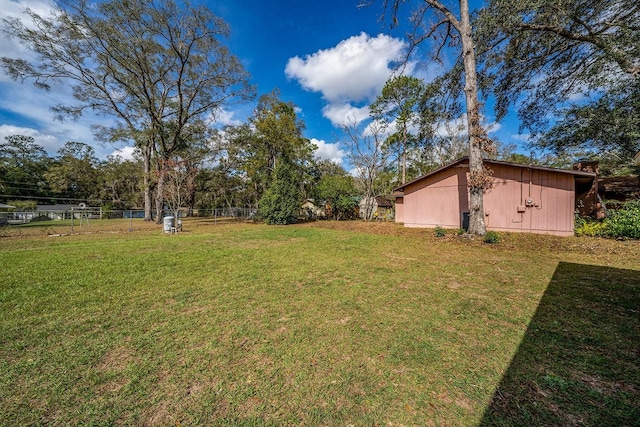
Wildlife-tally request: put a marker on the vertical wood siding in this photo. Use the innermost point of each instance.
(553, 195)
(439, 200)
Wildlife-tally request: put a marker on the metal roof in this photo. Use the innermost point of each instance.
(465, 160)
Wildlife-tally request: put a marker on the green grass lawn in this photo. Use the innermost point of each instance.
(317, 324)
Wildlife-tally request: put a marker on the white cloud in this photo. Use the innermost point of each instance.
(15, 8)
(26, 110)
(458, 127)
(522, 137)
(455, 127)
(328, 151)
(379, 129)
(355, 70)
(125, 153)
(493, 127)
(578, 96)
(224, 117)
(349, 74)
(49, 142)
(344, 113)
(29, 104)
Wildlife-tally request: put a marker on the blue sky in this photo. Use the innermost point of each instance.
(329, 57)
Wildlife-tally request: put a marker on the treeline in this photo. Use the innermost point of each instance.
(74, 175)
(163, 72)
(264, 164)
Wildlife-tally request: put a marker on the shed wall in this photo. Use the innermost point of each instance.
(399, 209)
(440, 199)
(553, 196)
(437, 200)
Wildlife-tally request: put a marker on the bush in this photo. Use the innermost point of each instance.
(491, 237)
(589, 227)
(281, 202)
(625, 222)
(440, 232)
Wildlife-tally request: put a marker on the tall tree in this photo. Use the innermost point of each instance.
(159, 68)
(335, 189)
(122, 182)
(279, 132)
(282, 153)
(277, 138)
(227, 181)
(75, 173)
(609, 126)
(22, 165)
(280, 204)
(250, 154)
(538, 54)
(398, 106)
(454, 27)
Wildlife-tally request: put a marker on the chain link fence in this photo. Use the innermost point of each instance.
(97, 218)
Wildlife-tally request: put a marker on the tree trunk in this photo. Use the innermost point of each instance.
(476, 168)
(146, 154)
(159, 194)
(404, 154)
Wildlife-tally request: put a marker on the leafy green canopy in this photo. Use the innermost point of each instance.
(22, 163)
(538, 54)
(75, 173)
(610, 125)
(249, 155)
(160, 68)
(336, 190)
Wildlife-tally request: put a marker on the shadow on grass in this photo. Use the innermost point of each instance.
(579, 361)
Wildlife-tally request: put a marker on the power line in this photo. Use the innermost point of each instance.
(14, 196)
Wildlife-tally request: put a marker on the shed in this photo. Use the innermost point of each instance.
(523, 198)
(309, 209)
(377, 207)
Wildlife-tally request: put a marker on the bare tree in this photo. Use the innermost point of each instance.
(366, 153)
(179, 183)
(156, 66)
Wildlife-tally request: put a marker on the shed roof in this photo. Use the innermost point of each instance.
(383, 202)
(465, 160)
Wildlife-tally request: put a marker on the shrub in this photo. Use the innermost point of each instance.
(281, 202)
(491, 237)
(625, 222)
(589, 227)
(440, 232)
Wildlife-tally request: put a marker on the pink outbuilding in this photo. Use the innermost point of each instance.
(523, 198)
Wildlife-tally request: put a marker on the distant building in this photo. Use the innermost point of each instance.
(378, 208)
